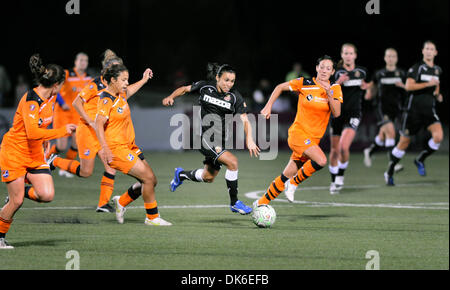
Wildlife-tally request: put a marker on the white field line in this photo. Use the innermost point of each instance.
(257, 194)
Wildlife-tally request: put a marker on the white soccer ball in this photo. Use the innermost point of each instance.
(264, 216)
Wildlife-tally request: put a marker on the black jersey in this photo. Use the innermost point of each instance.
(389, 94)
(423, 73)
(351, 89)
(216, 105)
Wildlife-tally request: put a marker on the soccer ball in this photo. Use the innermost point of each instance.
(264, 216)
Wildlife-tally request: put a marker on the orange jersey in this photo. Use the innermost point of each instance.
(89, 94)
(313, 110)
(29, 131)
(73, 85)
(119, 128)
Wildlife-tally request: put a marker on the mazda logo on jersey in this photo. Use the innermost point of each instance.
(216, 102)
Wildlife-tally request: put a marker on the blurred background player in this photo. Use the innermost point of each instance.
(76, 79)
(354, 80)
(422, 85)
(217, 99)
(86, 105)
(22, 153)
(317, 100)
(115, 133)
(390, 86)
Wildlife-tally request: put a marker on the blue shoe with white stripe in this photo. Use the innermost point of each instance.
(175, 182)
(241, 208)
(420, 167)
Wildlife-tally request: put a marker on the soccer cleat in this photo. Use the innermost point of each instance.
(333, 189)
(157, 222)
(120, 210)
(290, 191)
(339, 183)
(241, 208)
(367, 158)
(175, 182)
(4, 244)
(420, 167)
(65, 173)
(398, 168)
(105, 208)
(389, 179)
(50, 160)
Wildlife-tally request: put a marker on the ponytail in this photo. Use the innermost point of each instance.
(46, 75)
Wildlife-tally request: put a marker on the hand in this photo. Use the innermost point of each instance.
(400, 85)
(266, 111)
(92, 124)
(252, 148)
(343, 78)
(440, 98)
(325, 85)
(168, 101)
(433, 83)
(71, 128)
(106, 155)
(65, 107)
(148, 74)
(364, 85)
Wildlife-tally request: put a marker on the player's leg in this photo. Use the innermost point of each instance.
(346, 140)
(437, 135)
(15, 190)
(106, 189)
(42, 188)
(377, 144)
(394, 158)
(72, 151)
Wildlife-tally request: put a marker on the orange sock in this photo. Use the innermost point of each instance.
(4, 225)
(30, 193)
(275, 188)
(106, 188)
(306, 171)
(71, 153)
(151, 210)
(73, 166)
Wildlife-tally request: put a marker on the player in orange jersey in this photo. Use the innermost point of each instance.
(22, 153)
(76, 80)
(317, 99)
(115, 133)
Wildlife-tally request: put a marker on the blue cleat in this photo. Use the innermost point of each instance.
(241, 208)
(175, 182)
(389, 179)
(420, 167)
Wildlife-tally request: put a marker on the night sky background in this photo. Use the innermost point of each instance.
(261, 39)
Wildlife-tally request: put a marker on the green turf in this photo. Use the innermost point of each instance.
(323, 232)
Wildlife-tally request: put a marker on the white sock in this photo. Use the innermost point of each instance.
(433, 145)
(231, 175)
(199, 174)
(398, 153)
(379, 142)
(390, 142)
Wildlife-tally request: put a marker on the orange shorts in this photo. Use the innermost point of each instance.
(299, 144)
(15, 164)
(61, 118)
(87, 142)
(125, 157)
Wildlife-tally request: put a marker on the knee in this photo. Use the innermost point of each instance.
(46, 195)
(85, 172)
(233, 164)
(150, 179)
(208, 179)
(322, 162)
(438, 137)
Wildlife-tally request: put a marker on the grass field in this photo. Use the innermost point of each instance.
(408, 225)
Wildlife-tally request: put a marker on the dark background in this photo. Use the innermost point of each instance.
(261, 39)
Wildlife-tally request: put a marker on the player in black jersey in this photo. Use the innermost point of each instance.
(218, 99)
(390, 83)
(422, 84)
(355, 82)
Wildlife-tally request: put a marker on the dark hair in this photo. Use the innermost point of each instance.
(325, 57)
(113, 72)
(429, 42)
(46, 75)
(214, 69)
(109, 57)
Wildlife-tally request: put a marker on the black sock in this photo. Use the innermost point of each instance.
(373, 148)
(190, 175)
(392, 162)
(232, 186)
(333, 177)
(341, 172)
(425, 153)
(135, 190)
(2, 235)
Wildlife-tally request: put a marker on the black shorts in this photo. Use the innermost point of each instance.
(388, 113)
(348, 120)
(415, 119)
(212, 153)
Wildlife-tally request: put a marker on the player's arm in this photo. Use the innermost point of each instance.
(168, 101)
(251, 145)
(132, 89)
(78, 105)
(60, 101)
(103, 112)
(31, 121)
(283, 87)
(438, 95)
(412, 85)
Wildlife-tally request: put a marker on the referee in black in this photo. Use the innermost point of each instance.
(422, 84)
